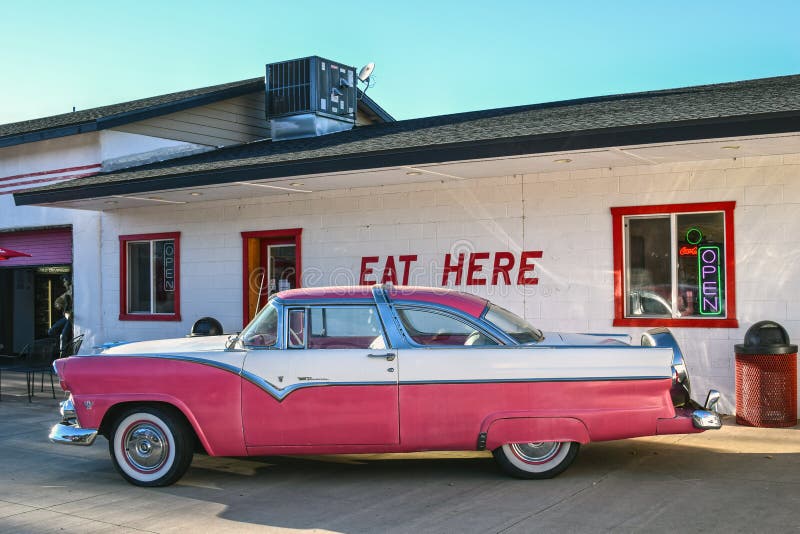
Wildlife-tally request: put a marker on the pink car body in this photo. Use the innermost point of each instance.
(382, 369)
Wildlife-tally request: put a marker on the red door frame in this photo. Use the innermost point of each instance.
(288, 236)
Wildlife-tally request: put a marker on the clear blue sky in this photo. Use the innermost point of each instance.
(433, 57)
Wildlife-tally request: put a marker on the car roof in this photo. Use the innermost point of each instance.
(326, 293)
(464, 302)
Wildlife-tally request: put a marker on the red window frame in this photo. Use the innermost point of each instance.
(123, 278)
(617, 215)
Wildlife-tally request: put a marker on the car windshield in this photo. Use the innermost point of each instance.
(512, 324)
(263, 330)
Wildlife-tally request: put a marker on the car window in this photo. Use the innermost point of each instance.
(297, 325)
(344, 327)
(513, 325)
(431, 328)
(263, 330)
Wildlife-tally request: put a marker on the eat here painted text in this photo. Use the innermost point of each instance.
(473, 269)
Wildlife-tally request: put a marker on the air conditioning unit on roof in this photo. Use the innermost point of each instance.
(309, 97)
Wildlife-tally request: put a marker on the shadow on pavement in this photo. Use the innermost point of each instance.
(628, 485)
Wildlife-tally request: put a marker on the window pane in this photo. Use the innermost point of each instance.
(649, 280)
(431, 328)
(513, 325)
(263, 331)
(297, 325)
(345, 327)
(164, 276)
(139, 277)
(701, 266)
(282, 268)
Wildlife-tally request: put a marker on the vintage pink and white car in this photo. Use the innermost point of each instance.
(373, 370)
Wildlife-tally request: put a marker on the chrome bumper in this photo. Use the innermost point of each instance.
(72, 434)
(68, 432)
(707, 418)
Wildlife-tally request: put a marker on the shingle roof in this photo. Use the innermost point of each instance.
(722, 110)
(106, 116)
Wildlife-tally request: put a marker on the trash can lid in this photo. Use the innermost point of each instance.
(206, 326)
(766, 337)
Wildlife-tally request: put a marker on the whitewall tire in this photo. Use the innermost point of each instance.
(151, 446)
(544, 459)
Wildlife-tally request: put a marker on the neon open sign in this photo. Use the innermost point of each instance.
(169, 266)
(709, 280)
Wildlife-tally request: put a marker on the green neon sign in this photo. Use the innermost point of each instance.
(694, 235)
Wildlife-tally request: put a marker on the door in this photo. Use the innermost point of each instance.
(271, 262)
(334, 384)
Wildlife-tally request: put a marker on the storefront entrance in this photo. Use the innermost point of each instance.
(271, 263)
(34, 289)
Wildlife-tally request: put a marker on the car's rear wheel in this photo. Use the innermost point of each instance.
(151, 446)
(543, 459)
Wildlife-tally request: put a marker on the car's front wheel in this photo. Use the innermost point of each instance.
(544, 459)
(151, 446)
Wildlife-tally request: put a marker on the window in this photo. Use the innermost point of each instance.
(674, 265)
(336, 327)
(297, 326)
(149, 277)
(431, 328)
(263, 331)
(515, 326)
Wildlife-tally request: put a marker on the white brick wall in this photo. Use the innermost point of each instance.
(565, 214)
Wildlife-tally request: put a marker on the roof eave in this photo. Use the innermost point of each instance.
(49, 133)
(180, 105)
(374, 107)
(130, 116)
(725, 127)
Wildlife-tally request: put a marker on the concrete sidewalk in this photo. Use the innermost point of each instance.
(737, 479)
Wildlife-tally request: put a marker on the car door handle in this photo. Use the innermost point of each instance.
(389, 356)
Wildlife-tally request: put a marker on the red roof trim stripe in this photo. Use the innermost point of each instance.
(13, 188)
(52, 171)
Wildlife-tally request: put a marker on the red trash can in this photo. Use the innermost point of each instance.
(766, 377)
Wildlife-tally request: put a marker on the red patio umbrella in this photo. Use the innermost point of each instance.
(6, 253)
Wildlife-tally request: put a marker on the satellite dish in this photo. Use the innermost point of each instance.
(365, 71)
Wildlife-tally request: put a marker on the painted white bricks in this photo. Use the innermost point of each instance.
(706, 179)
(761, 195)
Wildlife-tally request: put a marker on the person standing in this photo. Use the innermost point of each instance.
(62, 328)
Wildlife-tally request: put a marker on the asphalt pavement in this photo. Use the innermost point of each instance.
(737, 479)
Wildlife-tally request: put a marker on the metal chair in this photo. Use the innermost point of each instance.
(73, 347)
(36, 357)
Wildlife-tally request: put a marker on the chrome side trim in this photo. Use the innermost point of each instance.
(191, 359)
(518, 380)
(280, 394)
(64, 434)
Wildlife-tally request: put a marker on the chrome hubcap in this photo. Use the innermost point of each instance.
(146, 447)
(536, 453)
